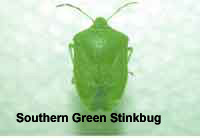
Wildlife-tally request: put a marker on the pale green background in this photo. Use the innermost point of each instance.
(36, 71)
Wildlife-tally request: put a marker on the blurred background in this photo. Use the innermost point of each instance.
(36, 70)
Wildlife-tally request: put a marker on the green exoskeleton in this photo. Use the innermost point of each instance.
(100, 56)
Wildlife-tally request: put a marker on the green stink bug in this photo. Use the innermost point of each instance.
(100, 56)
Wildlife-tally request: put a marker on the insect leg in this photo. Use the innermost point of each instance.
(130, 52)
(73, 81)
(131, 73)
(71, 52)
(72, 57)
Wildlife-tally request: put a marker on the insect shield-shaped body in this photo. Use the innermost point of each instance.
(100, 57)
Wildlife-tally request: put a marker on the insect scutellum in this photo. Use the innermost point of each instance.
(98, 20)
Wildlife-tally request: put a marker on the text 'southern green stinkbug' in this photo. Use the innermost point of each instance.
(100, 56)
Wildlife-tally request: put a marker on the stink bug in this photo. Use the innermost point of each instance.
(100, 56)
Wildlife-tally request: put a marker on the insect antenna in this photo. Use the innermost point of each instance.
(119, 9)
(72, 6)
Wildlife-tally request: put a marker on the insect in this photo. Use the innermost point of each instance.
(100, 56)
